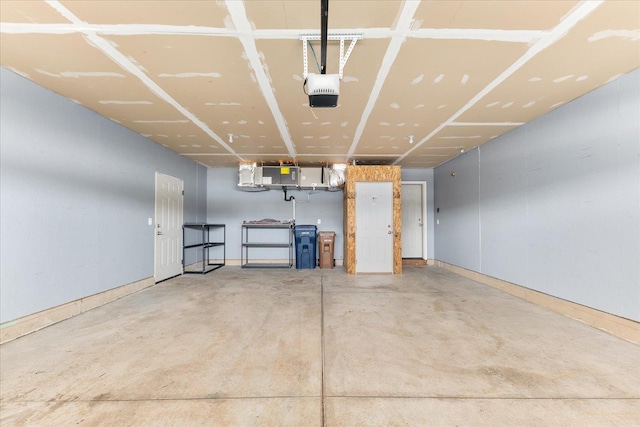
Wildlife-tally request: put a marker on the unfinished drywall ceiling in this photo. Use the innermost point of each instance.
(222, 81)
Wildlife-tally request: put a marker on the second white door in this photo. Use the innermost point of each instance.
(412, 220)
(374, 227)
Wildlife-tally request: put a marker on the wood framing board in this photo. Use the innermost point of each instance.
(371, 174)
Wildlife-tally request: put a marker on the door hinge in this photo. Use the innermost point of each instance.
(183, 192)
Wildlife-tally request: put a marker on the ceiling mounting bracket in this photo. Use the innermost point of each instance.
(341, 37)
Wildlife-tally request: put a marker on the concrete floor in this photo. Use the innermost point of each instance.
(318, 347)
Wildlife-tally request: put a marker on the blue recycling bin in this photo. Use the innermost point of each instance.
(305, 246)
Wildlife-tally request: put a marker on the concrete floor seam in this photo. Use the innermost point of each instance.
(322, 346)
(480, 398)
(161, 399)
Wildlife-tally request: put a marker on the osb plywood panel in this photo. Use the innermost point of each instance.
(371, 174)
(222, 79)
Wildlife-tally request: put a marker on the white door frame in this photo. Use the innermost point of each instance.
(423, 184)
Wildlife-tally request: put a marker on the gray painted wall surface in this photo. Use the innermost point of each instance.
(425, 175)
(76, 190)
(229, 205)
(457, 235)
(559, 203)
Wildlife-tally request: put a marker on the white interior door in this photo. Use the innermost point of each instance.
(168, 230)
(412, 220)
(374, 227)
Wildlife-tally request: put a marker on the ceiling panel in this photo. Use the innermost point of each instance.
(183, 12)
(85, 74)
(451, 141)
(497, 15)
(181, 136)
(305, 14)
(30, 12)
(466, 137)
(131, 113)
(212, 79)
(214, 160)
(601, 47)
(429, 82)
(60, 55)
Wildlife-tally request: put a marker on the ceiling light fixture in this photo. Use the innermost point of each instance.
(230, 138)
(410, 139)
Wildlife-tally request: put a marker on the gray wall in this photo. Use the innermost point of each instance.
(425, 175)
(554, 205)
(76, 190)
(229, 205)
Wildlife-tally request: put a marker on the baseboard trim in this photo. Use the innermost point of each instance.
(414, 262)
(25, 325)
(615, 325)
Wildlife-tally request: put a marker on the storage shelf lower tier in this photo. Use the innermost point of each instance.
(266, 245)
(204, 270)
(205, 245)
(266, 265)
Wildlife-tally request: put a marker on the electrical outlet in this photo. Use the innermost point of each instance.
(319, 221)
(149, 221)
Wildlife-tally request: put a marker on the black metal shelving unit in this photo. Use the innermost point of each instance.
(205, 244)
(247, 244)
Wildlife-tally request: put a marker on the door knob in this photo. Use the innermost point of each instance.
(389, 232)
